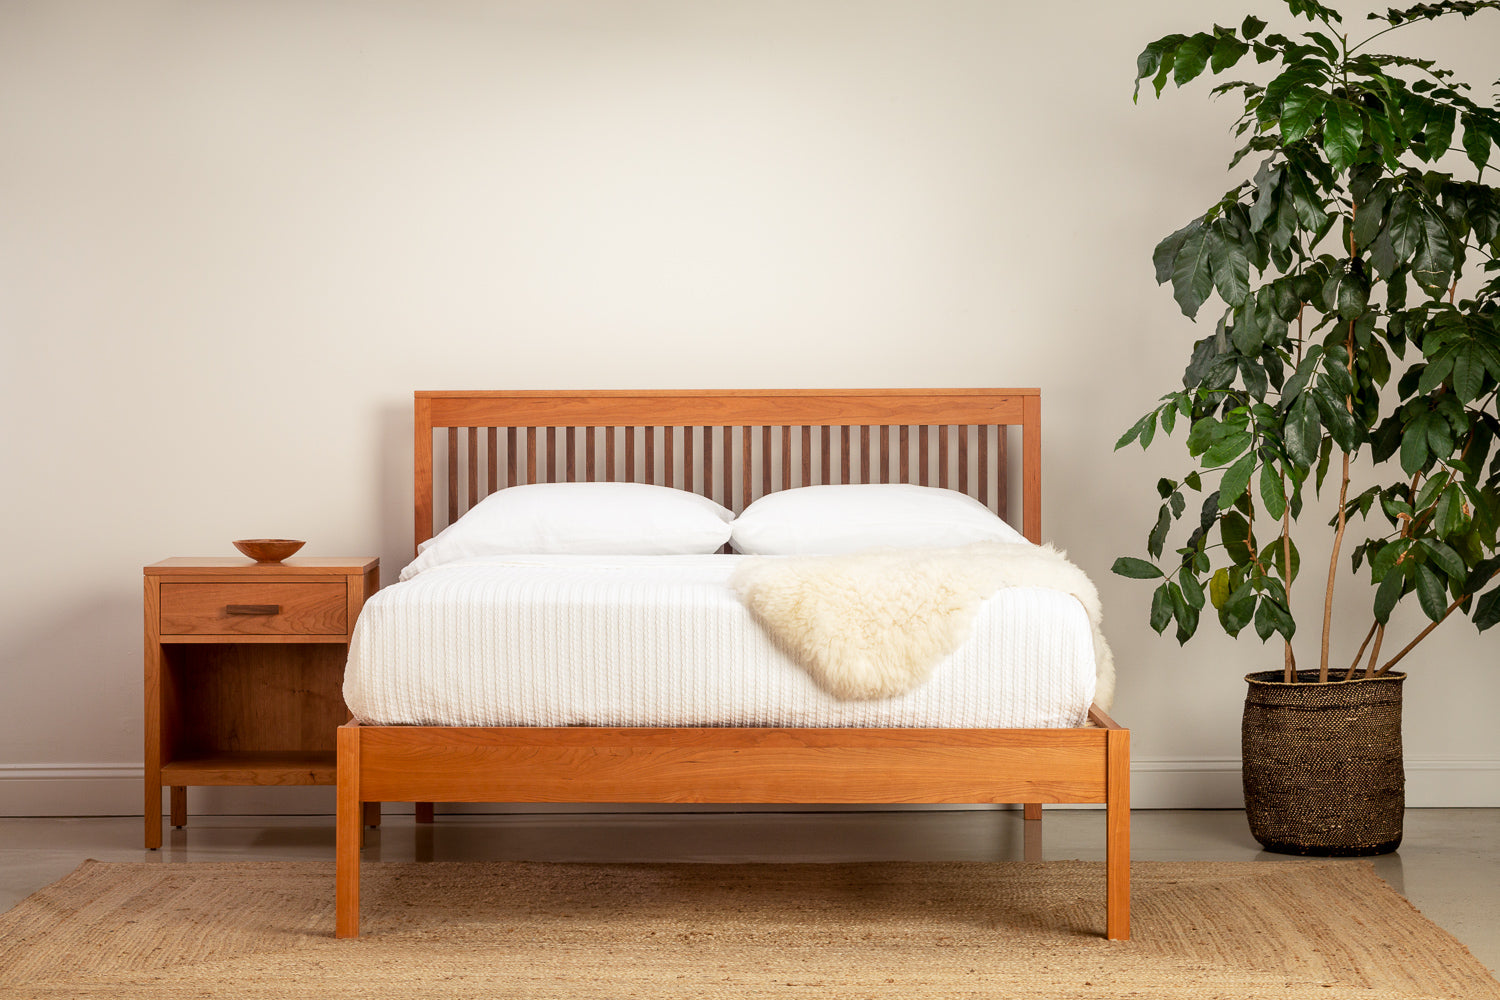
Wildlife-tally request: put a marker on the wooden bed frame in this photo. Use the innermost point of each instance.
(732, 445)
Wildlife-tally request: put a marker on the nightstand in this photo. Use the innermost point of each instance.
(244, 672)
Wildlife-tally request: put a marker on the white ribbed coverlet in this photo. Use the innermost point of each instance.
(662, 641)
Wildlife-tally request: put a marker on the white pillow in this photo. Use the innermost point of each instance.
(580, 519)
(827, 520)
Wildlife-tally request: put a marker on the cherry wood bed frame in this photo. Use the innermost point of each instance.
(732, 445)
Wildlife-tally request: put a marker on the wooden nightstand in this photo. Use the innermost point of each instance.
(244, 672)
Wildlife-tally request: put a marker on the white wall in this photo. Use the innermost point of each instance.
(234, 237)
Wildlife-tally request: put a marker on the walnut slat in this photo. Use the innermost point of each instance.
(844, 455)
(492, 459)
(531, 454)
(510, 456)
(727, 464)
(649, 475)
(630, 476)
(984, 466)
(689, 480)
(745, 474)
(609, 454)
(473, 445)
(452, 474)
(589, 472)
(708, 462)
(551, 454)
(905, 476)
(827, 455)
(807, 451)
(963, 459)
(570, 468)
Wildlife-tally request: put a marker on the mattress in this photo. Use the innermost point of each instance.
(663, 641)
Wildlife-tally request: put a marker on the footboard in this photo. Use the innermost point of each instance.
(868, 766)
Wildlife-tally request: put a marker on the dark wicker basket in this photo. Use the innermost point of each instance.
(1322, 764)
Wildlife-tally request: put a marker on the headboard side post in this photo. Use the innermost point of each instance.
(422, 483)
(1031, 468)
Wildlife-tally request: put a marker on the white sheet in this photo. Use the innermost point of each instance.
(662, 641)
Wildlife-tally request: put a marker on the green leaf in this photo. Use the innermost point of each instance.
(1252, 26)
(1192, 57)
(1386, 596)
(1299, 109)
(1446, 559)
(1487, 613)
(1165, 254)
(1135, 430)
(1192, 590)
(1414, 446)
(1228, 50)
(1161, 609)
(1272, 492)
(1136, 569)
(1231, 264)
(1468, 373)
(1156, 541)
(1476, 142)
(1236, 479)
(1303, 433)
(1405, 227)
(1431, 593)
(1439, 130)
(1343, 131)
(1152, 58)
(1192, 272)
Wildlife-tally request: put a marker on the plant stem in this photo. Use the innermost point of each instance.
(1333, 569)
(1355, 665)
(1289, 667)
(1420, 636)
(1375, 653)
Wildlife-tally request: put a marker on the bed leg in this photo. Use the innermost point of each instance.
(424, 811)
(1031, 837)
(349, 810)
(1117, 836)
(179, 806)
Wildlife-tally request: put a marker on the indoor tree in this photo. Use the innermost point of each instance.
(1357, 268)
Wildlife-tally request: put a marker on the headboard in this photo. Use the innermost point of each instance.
(732, 445)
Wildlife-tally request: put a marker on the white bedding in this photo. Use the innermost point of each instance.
(662, 641)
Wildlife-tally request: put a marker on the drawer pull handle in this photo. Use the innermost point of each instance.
(253, 609)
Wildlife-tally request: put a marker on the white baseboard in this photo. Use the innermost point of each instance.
(1156, 783)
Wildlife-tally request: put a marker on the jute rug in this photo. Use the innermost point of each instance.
(1240, 930)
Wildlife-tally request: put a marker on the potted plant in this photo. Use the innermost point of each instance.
(1360, 333)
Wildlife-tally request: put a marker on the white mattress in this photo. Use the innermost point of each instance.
(662, 641)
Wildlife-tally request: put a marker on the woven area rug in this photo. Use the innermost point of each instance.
(899, 930)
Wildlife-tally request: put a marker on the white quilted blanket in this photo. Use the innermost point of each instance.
(663, 641)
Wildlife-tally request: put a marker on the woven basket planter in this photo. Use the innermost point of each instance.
(1322, 764)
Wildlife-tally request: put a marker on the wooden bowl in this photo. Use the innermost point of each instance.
(268, 550)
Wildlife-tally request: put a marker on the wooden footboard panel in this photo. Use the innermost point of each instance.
(731, 765)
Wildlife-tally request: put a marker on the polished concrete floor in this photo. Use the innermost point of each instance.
(1448, 865)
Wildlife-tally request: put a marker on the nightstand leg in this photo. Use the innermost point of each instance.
(179, 806)
(153, 813)
(424, 811)
(372, 814)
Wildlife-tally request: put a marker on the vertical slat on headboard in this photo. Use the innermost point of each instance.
(727, 464)
(786, 459)
(452, 474)
(510, 456)
(844, 454)
(531, 454)
(689, 480)
(984, 464)
(942, 432)
(609, 454)
(473, 456)
(668, 459)
(827, 455)
(649, 474)
(905, 474)
(589, 474)
(745, 474)
(629, 455)
(806, 455)
(963, 458)
(708, 462)
(492, 466)
(765, 463)
(570, 466)
(923, 455)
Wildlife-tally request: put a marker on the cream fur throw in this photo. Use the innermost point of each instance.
(875, 624)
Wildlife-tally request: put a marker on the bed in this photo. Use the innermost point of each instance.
(733, 446)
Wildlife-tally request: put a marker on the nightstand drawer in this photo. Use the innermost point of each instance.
(254, 609)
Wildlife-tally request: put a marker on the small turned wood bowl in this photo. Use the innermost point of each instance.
(268, 550)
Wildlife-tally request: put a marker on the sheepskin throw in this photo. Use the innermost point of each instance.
(874, 624)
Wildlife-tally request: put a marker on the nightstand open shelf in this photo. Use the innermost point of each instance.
(244, 672)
